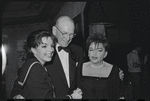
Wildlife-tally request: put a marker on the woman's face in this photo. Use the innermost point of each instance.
(96, 53)
(45, 50)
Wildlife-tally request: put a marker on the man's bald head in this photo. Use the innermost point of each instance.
(65, 21)
(64, 30)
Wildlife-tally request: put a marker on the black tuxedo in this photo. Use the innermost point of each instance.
(57, 74)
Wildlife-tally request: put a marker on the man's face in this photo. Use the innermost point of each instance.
(64, 33)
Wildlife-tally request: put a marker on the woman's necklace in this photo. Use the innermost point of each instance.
(99, 66)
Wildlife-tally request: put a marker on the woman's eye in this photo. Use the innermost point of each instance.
(100, 50)
(44, 46)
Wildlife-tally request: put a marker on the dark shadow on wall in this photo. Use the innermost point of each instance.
(117, 55)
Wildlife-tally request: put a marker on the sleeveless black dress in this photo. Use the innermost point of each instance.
(101, 87)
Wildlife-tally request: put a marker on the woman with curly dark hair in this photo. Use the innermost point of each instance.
(33, 81)
(100, 79)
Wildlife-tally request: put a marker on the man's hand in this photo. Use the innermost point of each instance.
(121, 98)
(18, 97)
(121, 74)
(77, 94)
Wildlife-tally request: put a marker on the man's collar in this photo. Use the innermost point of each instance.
(65, 48)
(57, 46)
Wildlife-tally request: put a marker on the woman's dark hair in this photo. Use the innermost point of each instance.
(97, 38)
(34, 39)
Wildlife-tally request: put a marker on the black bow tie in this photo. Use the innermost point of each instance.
(64, 48)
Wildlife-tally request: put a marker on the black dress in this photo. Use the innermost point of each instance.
(101, 87)
(33, 82)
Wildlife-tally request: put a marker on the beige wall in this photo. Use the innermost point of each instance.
(71, 9)
(15, 33)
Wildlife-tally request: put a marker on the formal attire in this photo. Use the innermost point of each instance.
(134, 69)
(33, 81)
(63, 70)
(100, 87)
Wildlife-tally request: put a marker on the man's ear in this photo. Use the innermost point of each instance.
(105, 54)
(54, 30)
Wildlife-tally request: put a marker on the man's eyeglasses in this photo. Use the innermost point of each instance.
(63, 34)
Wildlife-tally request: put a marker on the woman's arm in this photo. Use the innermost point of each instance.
(15, 90)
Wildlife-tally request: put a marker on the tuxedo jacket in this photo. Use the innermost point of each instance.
(57, 74)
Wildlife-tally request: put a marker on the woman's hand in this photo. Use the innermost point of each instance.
(18, 97)
(121, 98)
(121, 74)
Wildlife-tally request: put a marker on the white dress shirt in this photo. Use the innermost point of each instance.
(64, 58)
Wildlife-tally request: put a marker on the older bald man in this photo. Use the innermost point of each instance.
(66, 60)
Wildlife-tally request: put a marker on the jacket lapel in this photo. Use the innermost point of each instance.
(58, 67)
(72, 65)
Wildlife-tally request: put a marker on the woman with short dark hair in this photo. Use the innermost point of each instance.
(33, 81)
(99, 79)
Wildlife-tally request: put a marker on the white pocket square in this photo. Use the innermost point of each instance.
(76, 63)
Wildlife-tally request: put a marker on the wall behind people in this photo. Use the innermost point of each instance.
(71, 9)
(14, 33)
(117, 34)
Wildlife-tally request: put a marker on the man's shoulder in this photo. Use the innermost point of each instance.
(75, 47)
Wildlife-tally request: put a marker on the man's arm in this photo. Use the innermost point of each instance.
(81, 60)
